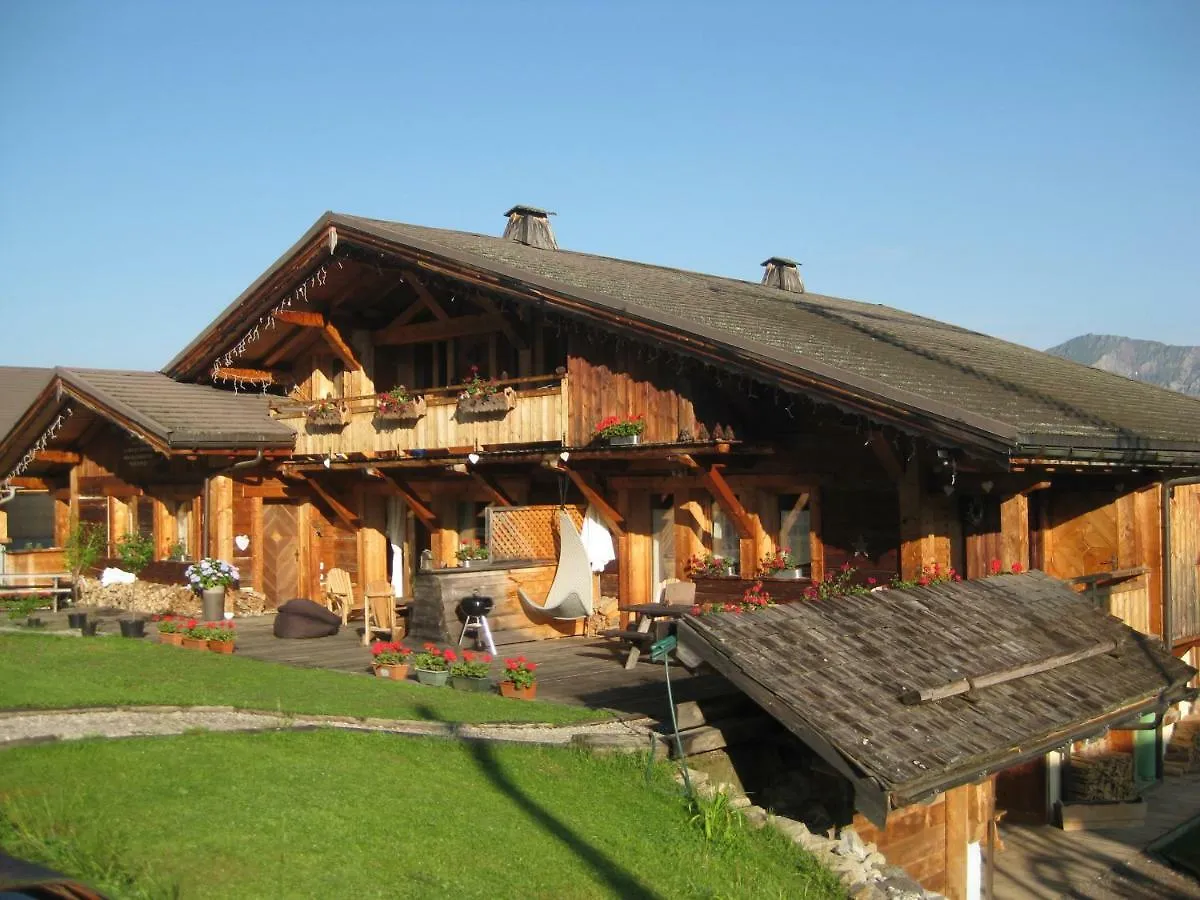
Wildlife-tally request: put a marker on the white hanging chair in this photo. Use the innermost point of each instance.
(570, 595)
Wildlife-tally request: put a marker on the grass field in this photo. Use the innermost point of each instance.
(40, 672)
(336, 814)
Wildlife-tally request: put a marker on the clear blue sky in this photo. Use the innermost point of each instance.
(1027, 169)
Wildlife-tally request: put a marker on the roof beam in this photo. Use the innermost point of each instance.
(716, 484)
(65, 457)
(420, 509)
(492, 488)
(342, 511)
(613, 519)
(426, 298)
(461, 326)
(344, 352)
(514, 337)
(301, 318)
(886, 454)
(268, 376)
(289, 345)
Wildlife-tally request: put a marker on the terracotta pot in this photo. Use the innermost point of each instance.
(174, 638)
(396, 672)
(433, 677)
(508, 689)
(221, 646)
(194, 644)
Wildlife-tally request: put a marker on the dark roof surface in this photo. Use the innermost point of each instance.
(183, 415)
(19, 385)
(841, 665)
(1043, 399)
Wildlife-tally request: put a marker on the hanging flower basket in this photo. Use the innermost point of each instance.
(498, 403)
(391, 411)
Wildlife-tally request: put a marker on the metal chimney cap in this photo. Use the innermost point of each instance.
(522, 210)
(779, 261)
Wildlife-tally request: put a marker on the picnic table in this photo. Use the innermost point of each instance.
(645, 616)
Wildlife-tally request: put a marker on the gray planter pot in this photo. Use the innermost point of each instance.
(491, 404)
(213, 604)
(624, 440)
(433, 677)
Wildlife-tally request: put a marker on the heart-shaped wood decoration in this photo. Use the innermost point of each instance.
(242, 542)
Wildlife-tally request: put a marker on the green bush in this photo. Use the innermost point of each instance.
(136, 551)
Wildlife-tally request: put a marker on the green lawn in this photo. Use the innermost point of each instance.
(337, 814)
(41, 672)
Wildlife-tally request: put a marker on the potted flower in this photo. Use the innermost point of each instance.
(471, 673)
(709, 566)
(327, 413)
(481, 396)
(390, 659)
(209, 578)
(195, 635)
(518, 681)
(132, 627)
(782, 563)
(170, 630)
(221, 636)
(398, 405)
(621, 430)
(433, 665)
(471, 553)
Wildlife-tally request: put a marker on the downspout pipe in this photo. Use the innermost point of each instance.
(241, 464)
(1168, 488)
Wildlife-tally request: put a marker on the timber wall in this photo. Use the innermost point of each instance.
(1185, 563)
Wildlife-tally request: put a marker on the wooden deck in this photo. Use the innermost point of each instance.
(581, 671)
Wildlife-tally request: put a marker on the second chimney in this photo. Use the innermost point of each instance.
(780, 272)
(531, 226)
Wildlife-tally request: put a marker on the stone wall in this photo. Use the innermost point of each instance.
(148, 597)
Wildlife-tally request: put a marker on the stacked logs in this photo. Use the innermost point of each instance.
(1107, 776)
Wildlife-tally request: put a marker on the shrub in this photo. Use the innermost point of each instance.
(135, 550)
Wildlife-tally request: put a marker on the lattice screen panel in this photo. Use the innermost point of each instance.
(526, 532)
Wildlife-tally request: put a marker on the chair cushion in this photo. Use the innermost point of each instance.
(309, 609)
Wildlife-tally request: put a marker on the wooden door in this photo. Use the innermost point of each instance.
(1083, 535)
(281, 553)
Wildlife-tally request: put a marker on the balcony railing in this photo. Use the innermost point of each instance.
(536, 412)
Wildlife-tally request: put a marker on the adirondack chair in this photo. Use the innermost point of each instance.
(339, 593)
(570, 595)
(379, 610)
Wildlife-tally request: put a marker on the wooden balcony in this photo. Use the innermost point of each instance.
(538, 413)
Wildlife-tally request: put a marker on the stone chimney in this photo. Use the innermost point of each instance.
(531, 226)
(782, 273)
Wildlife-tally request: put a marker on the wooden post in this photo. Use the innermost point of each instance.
(924, 525)
(257, 561)
(816, 540)
(62, 516)
(120, 522)
(1014, 531)
(372, 537)
(443, 538)
(220, 517)
(164, 528)
(957, 838)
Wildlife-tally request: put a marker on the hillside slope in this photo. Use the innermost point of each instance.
(1167, 365)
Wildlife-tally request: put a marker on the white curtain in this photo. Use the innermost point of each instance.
(397, 520)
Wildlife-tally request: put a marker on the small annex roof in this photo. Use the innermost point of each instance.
(1008, 397)
(846, 675)
(170, 415)
(181, 415)
(19, 386)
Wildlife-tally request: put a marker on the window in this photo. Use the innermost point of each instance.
(794, 522)
(472, 526)
(725, 543)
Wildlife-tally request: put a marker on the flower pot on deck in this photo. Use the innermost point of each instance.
(485, 404)
(90, 629)
(624, 440)
(225, 647)
(174, 638)
(395, 672)
(508, 689)
(195, 644)
(405, 412)
(464, 683)
(76, 620)
(213, 600)
(132, 628)
(433, 677)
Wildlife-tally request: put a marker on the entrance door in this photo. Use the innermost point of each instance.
(1084, 535)
(281, 553)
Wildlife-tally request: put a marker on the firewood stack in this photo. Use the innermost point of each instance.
(1106, 776)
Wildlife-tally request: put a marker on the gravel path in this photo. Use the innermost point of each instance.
(40, 726)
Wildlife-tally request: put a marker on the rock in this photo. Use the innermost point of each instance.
(868, 891)
(875, 859)
(790, 827)
(815, 844)
(851, 845)
(849, 871)
(608, 744)
(756, 816)
(902, 888)
(741, 801)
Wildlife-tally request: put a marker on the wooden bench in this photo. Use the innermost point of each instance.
(33, 584)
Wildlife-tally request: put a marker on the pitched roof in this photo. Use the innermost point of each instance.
(834, 671)
(1021, 399)
(181, 415)
(19, 385)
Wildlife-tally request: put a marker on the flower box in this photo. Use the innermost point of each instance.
(510, 690)
(624, 440)
(486, 404)
(467, 683)
(327, 416)
(433, 677)
(403, 412)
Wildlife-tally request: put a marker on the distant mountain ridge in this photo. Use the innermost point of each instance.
(1167, 365)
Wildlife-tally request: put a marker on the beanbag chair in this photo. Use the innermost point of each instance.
(301, 618)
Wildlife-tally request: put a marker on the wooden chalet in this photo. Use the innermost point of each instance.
(26, 516)
(848, 432)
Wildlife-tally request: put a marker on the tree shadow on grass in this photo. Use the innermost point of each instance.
(621, 882)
